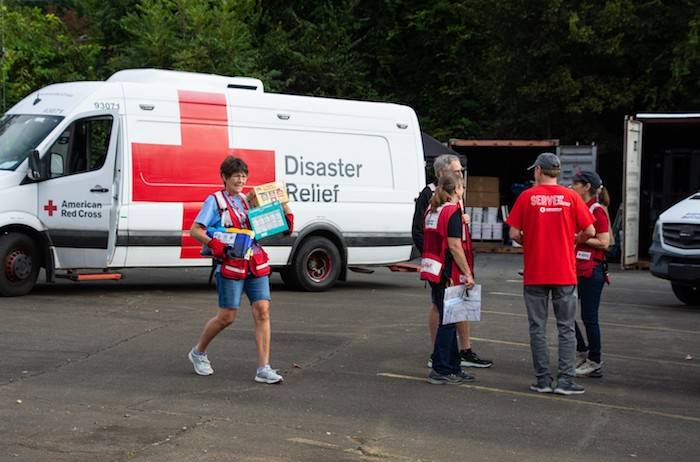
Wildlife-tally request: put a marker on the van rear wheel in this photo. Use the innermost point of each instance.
(690, 295)
(19, 260)
(316, 266)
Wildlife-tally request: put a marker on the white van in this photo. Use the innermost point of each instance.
(109, 175)
(675, 249)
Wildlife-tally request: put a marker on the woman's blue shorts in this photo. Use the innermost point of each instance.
(230, 291)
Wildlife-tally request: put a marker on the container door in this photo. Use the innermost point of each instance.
(631, 191)
(77, 200)
(574, 158)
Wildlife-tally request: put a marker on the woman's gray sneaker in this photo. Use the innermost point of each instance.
(268, 375)
(201, 363)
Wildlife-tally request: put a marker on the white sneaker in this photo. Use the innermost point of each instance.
(268, 375)
(589, 369)
(201, 363)
(581, 357)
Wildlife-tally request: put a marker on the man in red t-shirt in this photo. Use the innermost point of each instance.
(548, 220)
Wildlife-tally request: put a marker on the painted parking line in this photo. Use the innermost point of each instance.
(567, 400)
(365, 452)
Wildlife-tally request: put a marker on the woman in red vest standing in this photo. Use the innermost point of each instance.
(591, 270)
(447, 260)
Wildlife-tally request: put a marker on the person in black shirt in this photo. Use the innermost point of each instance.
(445, 163)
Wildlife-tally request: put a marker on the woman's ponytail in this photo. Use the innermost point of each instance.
(447, 185)
(604, 196)
(440, 196)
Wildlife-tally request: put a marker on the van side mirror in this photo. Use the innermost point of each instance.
(35, 169)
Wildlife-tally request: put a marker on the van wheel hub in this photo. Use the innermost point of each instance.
(18, 266)
(318, 265)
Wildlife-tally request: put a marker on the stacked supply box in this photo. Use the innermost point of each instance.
(483, 202)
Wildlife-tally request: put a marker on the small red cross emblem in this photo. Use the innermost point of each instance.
(50, 208)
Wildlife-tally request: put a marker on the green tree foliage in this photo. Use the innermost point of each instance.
(313, 48)
(191, 35)
(470, 68)
(38, 50)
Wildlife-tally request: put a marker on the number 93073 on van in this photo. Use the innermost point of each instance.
(100, 176)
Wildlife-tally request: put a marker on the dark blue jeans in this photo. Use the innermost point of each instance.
(589, 291)
(446, 358)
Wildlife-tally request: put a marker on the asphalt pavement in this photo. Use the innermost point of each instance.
(98, 372)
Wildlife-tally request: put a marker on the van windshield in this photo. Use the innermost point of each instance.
(20, 135)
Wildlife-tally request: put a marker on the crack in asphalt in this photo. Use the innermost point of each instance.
(85, 357)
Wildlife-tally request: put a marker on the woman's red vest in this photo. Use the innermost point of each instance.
(435, 245)
(237, 268)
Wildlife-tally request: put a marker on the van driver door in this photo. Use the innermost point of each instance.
(77, 200)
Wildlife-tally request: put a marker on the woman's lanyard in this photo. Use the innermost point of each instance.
(240, 213)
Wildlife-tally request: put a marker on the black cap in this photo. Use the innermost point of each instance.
(588, 177)
(547, 161)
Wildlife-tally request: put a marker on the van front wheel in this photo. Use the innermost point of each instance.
(316, 265)
(20, 264)
(690, 295)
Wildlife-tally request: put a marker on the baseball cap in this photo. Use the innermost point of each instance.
(547, 161)
(588, 177)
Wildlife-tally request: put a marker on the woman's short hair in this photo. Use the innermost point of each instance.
(232, 165)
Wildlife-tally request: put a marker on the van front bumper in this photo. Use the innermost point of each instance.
(672, 266)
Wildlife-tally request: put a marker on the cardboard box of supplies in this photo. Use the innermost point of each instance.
(270, 192)
(486, 231)
(491, 215)
(497, 231)
(483, 199)
(475, 230)
(483, 183)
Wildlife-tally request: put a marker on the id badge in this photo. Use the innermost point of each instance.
(582, 255)
(432, 220)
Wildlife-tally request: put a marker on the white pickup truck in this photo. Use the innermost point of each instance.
(675, 249)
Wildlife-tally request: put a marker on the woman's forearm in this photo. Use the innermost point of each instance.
(458, 254)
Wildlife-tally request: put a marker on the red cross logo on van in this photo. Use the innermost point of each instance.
(189, 172)
(50, 208)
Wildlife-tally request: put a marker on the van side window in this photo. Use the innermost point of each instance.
(82, 147)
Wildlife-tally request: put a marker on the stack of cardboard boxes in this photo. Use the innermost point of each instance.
(483, 202)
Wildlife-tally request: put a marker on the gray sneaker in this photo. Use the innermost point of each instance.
(581, 357)
(543, 385)
(439, 379)
(268, 375)
(569, 388)
(590, 369)
(201, 363)
(466, 377)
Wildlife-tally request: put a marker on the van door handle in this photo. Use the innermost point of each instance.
(99, 189)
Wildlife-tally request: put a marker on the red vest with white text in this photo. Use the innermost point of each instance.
(435, 245)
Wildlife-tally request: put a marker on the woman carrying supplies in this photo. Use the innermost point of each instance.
(242, 266)
(447, 259)
(591, 269)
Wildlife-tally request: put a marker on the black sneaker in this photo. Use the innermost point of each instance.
(570, 388)
(439, 379)
(471, 359)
